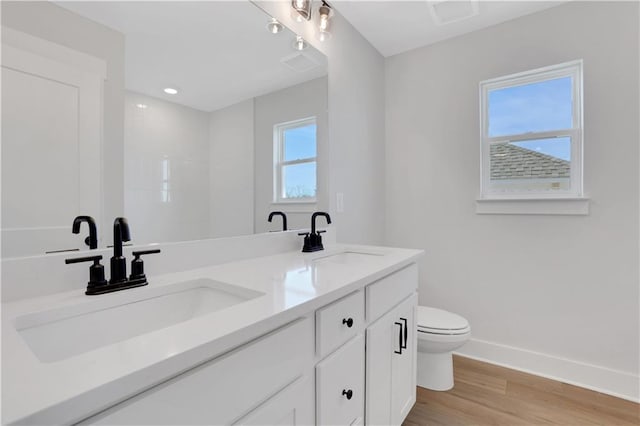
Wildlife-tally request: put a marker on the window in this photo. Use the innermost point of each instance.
(295, 161)
(531, 126)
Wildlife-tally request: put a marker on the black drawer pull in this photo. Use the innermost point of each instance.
(399, 324)
(405, 333)
(348, 321)
(347, 393)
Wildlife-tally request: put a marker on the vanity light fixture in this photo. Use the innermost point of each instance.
(170, 91)
(299, 43)
(302, 9)
(141, 106)
(274, 26)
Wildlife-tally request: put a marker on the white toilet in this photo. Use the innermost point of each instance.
(439, 334)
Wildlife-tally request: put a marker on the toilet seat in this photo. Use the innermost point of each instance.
(438, 321)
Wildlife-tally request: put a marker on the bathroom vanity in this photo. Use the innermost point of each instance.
(289, 338)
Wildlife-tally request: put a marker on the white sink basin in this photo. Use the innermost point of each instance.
(347, 257)
(60, 333)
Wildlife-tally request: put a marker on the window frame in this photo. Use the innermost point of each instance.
(280, 163)
(573, 69)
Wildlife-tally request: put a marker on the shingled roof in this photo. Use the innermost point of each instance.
(510, 161)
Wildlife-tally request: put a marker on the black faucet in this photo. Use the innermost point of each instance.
(118, 261)
(284, 219)
(92, 239)
(119, 281)
(313, 241)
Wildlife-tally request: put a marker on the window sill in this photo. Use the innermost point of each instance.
(535, 206)
(295, 206)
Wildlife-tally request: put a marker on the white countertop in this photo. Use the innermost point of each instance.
(293, 284)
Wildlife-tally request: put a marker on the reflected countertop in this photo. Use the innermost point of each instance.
(293, 283)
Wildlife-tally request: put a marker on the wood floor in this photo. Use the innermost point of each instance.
(486, 394)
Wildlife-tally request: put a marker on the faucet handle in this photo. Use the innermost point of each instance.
(137, 264)
(96, 272)
(95, 259)
(321, 232)
(306, 234)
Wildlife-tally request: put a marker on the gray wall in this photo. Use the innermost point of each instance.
(563, 286)
(231, 174)
(53, 23)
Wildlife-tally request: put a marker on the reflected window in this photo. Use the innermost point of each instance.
(532, 133)
(295, 147)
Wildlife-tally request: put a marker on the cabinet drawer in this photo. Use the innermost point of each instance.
(221, 390)
(340, 385)
(387, 292)
(339, 322)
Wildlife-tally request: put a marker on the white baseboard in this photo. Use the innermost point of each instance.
(612, 382)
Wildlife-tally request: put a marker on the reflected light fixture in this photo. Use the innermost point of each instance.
(326, 12)
(299, 43)
(303, 9)
(274, 26)
(141, 106)
(170, 91)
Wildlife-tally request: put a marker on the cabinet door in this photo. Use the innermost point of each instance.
(292, 406)
(403, 366)
(391, 365)
(224, 389)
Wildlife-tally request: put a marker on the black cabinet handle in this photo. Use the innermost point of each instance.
(405, 333)
(347, 393)
(348, 321)
(399, 324)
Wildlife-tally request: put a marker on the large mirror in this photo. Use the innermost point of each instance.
(225, 120)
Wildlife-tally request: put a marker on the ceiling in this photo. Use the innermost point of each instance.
(394, 27)
(216, 53)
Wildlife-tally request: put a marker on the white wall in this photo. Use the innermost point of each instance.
(169, 135)
(231, 174)
(294, 103)
(356, 124)
(561, 292)
(53, 23)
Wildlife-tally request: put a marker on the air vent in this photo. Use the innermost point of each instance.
(449, 11)
(299, 62)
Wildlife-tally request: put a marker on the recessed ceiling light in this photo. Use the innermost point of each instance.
(170, 91)
(141, 106)
(274, 26)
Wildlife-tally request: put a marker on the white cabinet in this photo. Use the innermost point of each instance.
(302, 373)
(222, 390)
(340, 385)
(391, 343)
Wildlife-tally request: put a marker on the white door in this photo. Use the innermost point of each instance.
(51, 147)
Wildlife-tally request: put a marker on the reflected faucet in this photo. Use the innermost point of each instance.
(284, 219)
(118, 262)
(313, 220)
(92, 239)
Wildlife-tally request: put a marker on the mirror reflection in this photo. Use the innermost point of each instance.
(225, 121)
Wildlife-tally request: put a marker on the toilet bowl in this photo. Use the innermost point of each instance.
(439, 334)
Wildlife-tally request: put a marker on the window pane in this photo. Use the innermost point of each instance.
(299, 180)
(536, 107)
(300, 142)
(532, 165)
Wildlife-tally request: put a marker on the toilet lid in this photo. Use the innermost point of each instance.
(437, 320)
